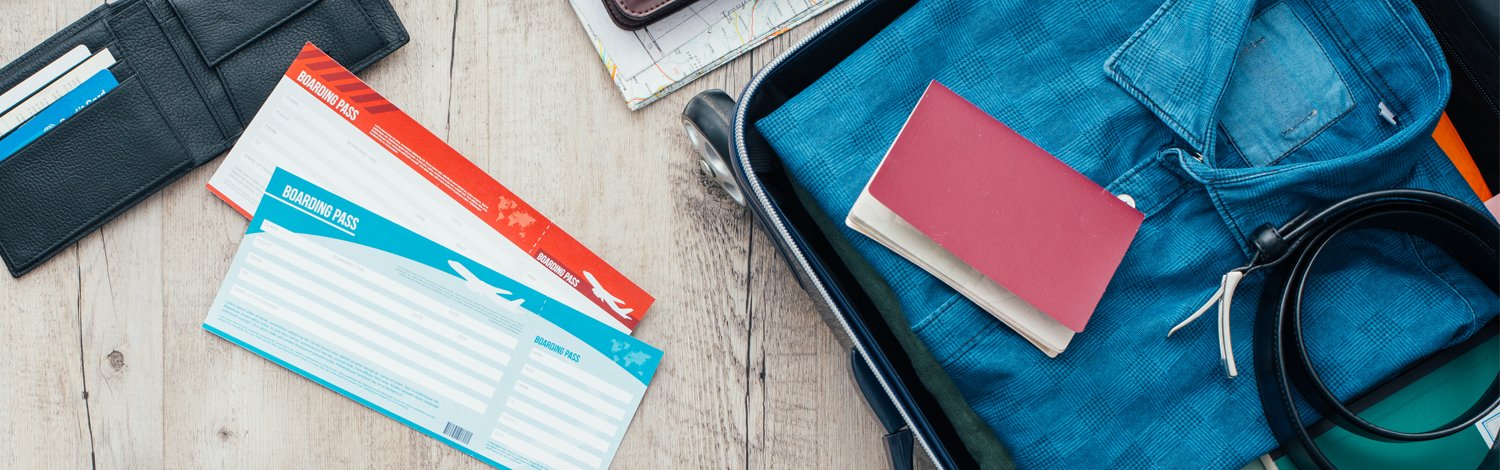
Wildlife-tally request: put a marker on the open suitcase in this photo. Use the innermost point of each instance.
(738, 158)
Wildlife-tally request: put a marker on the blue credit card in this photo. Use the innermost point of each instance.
(57, 112)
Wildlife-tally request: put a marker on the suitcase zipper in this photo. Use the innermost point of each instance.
(765, 202)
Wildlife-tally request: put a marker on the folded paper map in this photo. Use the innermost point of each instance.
(649, 63)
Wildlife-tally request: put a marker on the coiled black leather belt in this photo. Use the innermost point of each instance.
(1282, 366)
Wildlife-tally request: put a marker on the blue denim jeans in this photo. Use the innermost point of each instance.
(1215, 117)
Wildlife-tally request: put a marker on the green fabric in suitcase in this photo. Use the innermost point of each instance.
(977, 437)
(1434, 397)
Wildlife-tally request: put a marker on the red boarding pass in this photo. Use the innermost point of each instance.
(311, 142)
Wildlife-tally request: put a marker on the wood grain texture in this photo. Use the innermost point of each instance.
(802, 381)
(751, 376)
(44, 397)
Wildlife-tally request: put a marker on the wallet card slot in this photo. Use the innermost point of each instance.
(203, 77)
(219, 29)
(90, 168)
(121, 70)
(164, 75)
(341, 28)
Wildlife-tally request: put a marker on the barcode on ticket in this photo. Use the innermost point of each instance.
(457, 433)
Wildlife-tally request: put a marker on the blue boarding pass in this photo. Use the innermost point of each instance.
(419, 333)
(65, 107)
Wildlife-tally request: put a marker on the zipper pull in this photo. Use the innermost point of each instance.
(1212, 300)
(1224, 299)
(1226, 347)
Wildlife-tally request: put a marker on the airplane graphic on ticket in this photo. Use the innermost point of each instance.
(426, 335)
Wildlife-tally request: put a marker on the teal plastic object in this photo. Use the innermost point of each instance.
(1432, 399)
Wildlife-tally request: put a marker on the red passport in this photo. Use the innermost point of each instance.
(1005, 207)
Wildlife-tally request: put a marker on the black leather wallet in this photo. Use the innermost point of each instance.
(192, 73)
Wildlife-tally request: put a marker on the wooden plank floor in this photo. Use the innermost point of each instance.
(103, 363)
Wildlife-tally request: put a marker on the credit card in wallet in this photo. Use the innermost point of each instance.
(62, 86)
(60, 110)
(42, 77)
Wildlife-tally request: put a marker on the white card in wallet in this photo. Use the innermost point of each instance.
(101, 60)
(42, 77)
